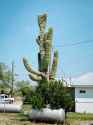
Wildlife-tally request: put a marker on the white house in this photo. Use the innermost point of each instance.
(83, 93)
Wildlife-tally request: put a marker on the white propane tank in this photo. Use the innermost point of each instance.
(47, 114)
(10, 107)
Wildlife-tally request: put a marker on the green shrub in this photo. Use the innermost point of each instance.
(55, 94)
(52, 93)
(25, 90)
(37, 101)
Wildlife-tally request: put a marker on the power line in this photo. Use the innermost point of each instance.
(70, 44)
(75, 43)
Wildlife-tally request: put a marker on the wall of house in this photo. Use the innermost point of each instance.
(84, 99)
(84, 107)
(88, 92)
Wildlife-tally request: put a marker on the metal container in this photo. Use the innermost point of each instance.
(47, 114)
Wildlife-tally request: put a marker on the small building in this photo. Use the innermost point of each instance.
(83, 93)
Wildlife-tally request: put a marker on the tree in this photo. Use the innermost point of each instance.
(24, 87)
(5, 76)
(21, 84)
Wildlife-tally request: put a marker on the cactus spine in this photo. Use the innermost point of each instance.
(44, 40)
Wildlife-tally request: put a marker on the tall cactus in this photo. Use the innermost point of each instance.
(44, 40)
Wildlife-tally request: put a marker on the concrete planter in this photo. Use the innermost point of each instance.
(47, 115)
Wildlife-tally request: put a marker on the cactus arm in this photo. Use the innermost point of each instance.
(35, 77)
(54, 65)
(42, 22)
(47, 49)
(29, 68)
(38, 40)
(50, 33)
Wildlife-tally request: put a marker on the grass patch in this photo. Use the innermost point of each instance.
(76, 117)
(26, 107)
(21, 116)
(80, 116)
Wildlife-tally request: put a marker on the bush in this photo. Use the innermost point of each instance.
(37, 101)
(55, 94)
(25, 90)
(52, 93)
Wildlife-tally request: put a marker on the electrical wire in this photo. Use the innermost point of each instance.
(74, 43)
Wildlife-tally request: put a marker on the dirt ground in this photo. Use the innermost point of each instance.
(20, 119)
(16, 119)
(12, 119)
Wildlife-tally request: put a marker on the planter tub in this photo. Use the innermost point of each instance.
(47, 114)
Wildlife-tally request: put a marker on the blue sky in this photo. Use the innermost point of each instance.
(72, 21)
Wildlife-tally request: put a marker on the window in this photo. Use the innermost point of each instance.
(82, 91)
(6, 96)
(2, 97)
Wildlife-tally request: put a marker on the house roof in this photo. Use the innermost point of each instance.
(85, 80)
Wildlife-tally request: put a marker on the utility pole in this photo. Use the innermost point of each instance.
(12, 86)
